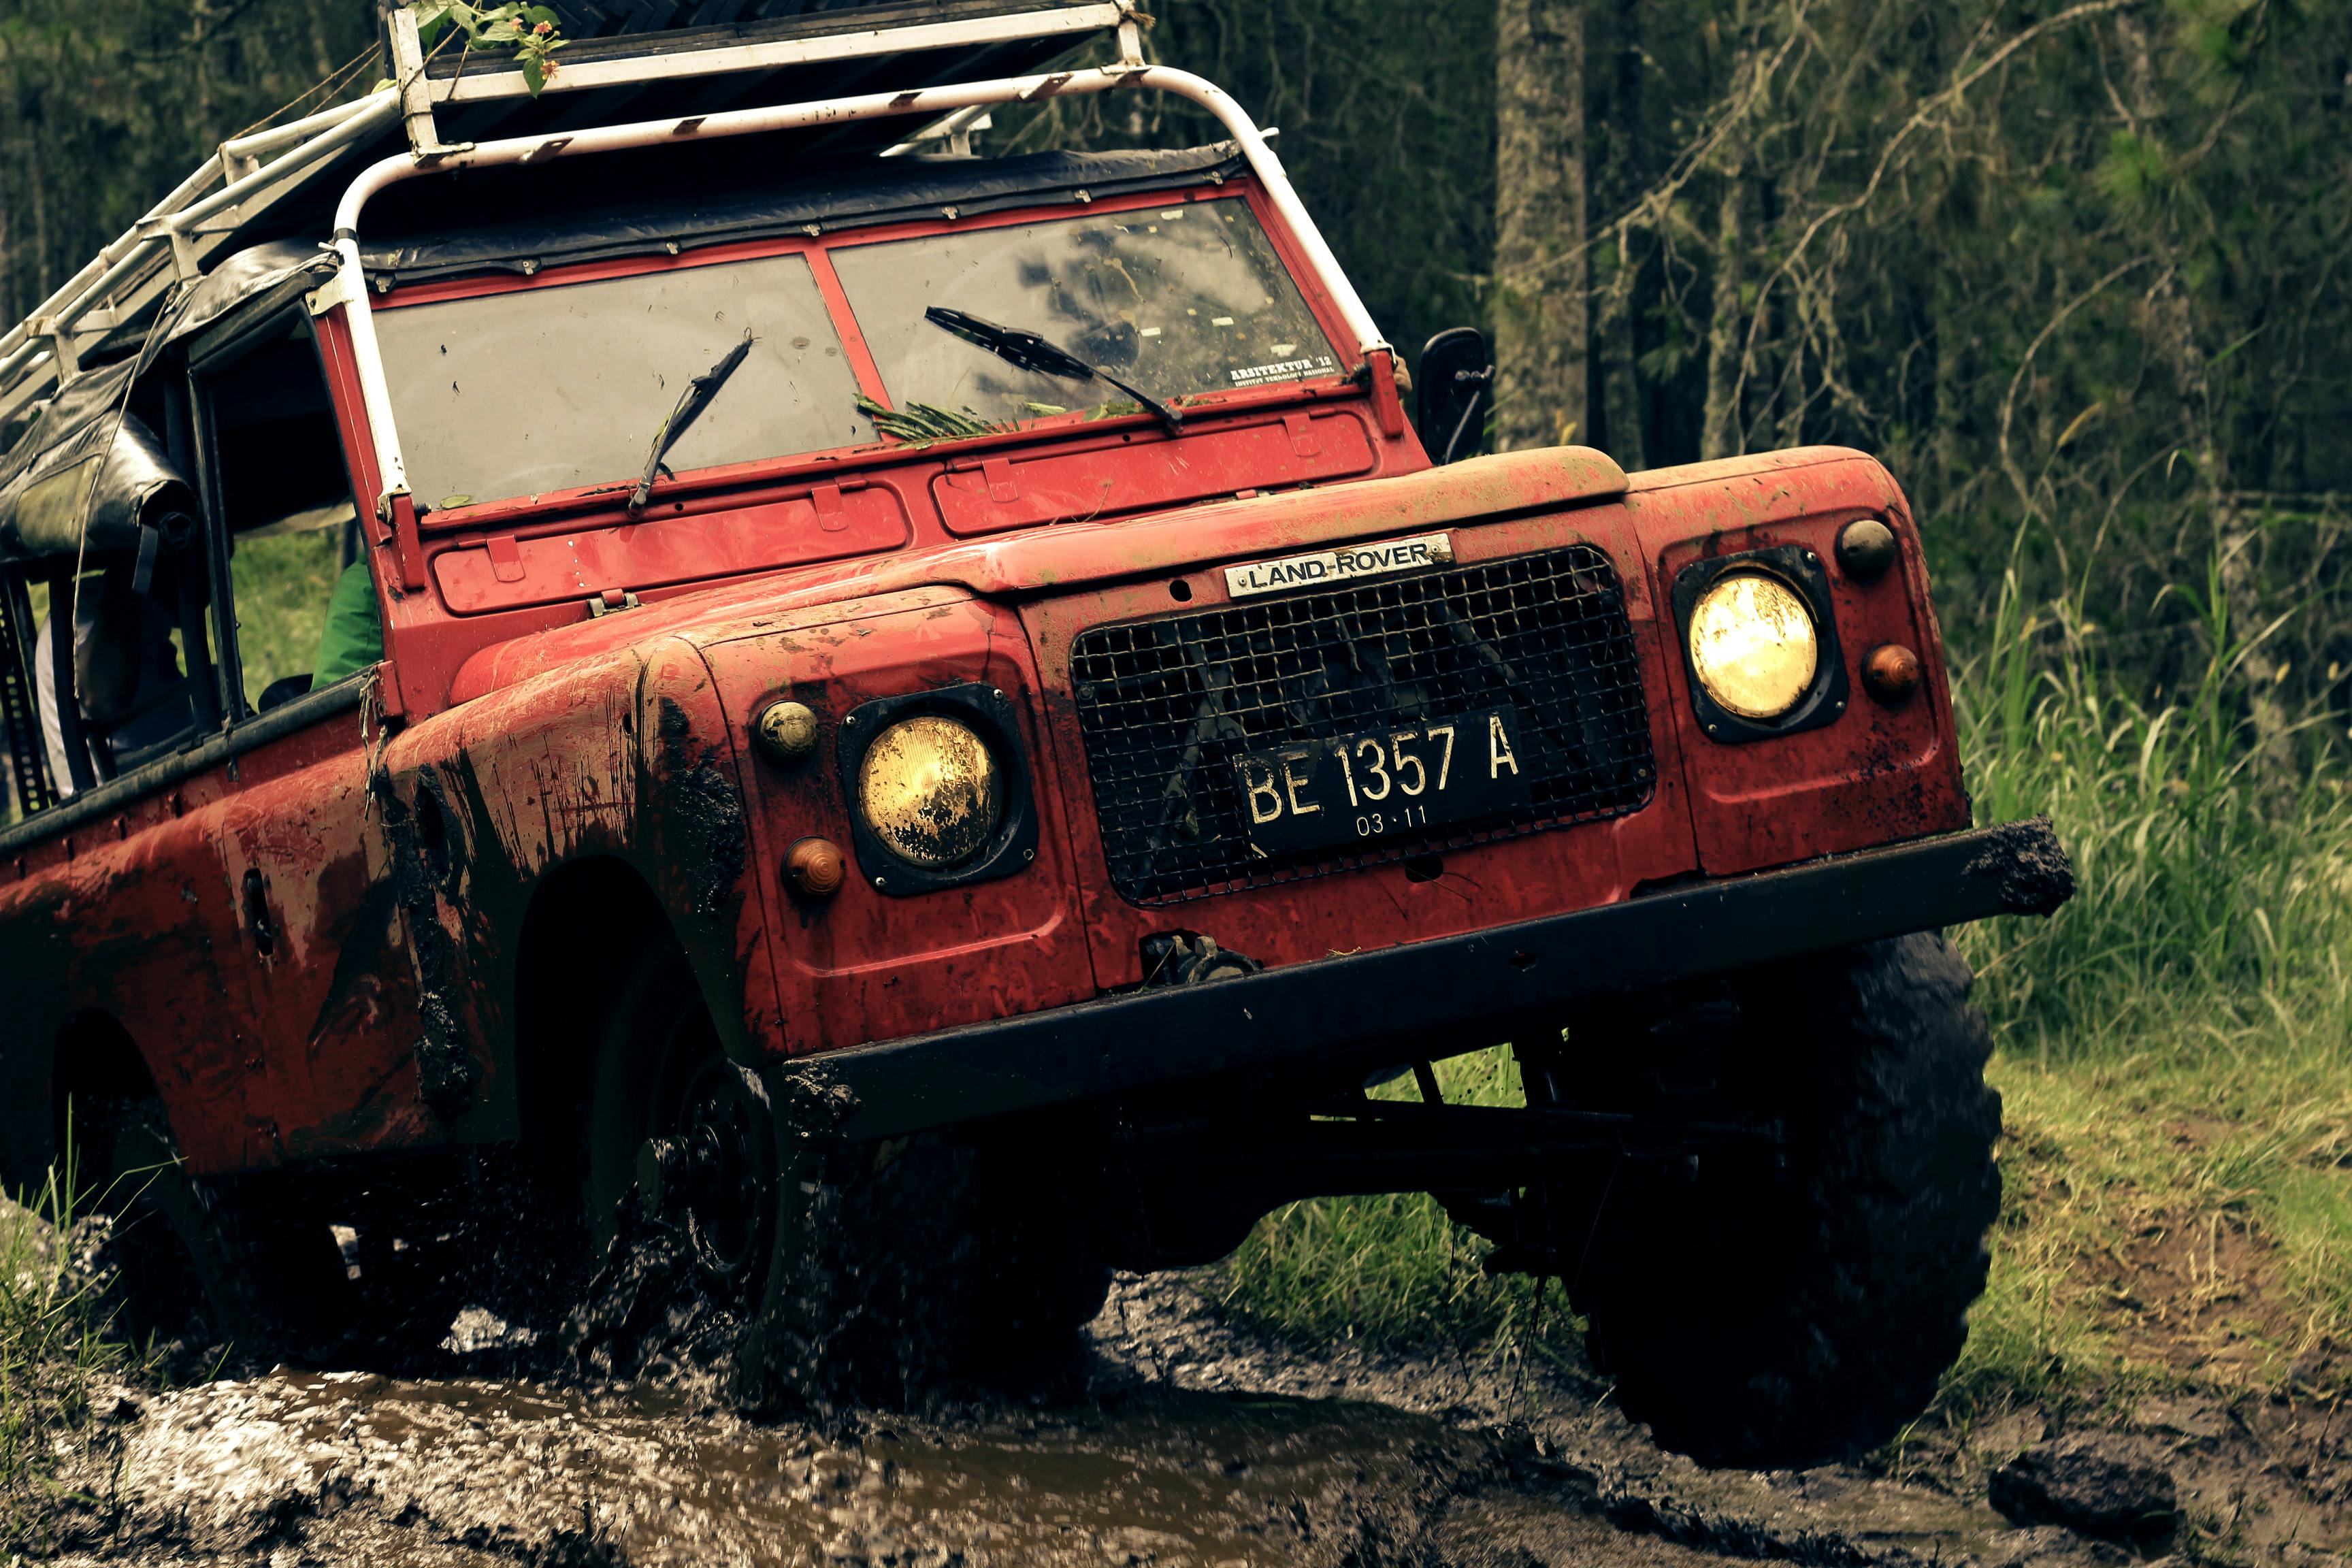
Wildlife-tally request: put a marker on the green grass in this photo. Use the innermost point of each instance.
(1391, 1266)
(57, 1352)
(2174, 1047)
(281, 585)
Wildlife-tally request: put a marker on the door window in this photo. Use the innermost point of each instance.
(85, 708)
(300, 607)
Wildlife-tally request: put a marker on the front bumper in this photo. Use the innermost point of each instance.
(1353, 1005)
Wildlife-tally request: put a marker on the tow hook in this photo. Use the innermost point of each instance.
(1181, 958)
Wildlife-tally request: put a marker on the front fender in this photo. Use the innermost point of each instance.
(625, 757)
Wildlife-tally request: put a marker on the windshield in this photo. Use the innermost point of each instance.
(1176, 300)
(554, 388)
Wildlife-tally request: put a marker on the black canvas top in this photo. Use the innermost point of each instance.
(844, 194)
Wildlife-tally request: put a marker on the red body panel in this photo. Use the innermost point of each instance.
(329, 1001)
(138, 919)
(863, 965)
(1879, 775)
(508, 571)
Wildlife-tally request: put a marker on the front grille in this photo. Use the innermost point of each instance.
(1167, 706)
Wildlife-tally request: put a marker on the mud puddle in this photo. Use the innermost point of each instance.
(1197, 1444)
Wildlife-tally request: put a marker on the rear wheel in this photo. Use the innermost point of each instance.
(206, 1262)
(1763, 1312)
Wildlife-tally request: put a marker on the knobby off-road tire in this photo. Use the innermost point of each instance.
(872, 1272)
(1779, 1317)
(206, 1262)
(921, 1265)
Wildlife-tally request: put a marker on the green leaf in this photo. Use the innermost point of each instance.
(535, 15)
(434, 17)
(534, 73)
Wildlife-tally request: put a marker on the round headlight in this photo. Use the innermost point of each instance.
(931, 792)
(1754, 646)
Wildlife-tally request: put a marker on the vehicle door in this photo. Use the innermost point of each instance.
(115, 908)
(330, 992)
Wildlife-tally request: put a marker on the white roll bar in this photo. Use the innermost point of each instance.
(349, 285)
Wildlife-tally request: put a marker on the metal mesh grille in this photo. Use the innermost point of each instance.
(1167, 707)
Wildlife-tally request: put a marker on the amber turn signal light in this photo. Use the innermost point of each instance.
(1892, 672)
(816, 867)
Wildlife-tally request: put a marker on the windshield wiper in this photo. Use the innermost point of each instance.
(1029, 351)
(696, 397)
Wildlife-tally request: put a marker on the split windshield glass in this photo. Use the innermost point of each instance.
(562, 385)
(1178, 300)
(552, 388)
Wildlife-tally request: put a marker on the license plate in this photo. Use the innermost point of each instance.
(1344, 789)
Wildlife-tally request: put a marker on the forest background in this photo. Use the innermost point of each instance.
(2077, 273)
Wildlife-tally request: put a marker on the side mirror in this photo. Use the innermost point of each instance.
(1454, 382)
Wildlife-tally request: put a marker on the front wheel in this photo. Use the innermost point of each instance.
(870, 1272)
(1767, 1311)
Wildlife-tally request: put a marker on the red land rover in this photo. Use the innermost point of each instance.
(937, 722)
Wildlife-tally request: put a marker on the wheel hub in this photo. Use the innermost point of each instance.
(714, 1173)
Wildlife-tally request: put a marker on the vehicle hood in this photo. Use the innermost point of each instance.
(1068, 555)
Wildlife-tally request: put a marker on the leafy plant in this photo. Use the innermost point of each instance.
(532, 31)
(922, 422)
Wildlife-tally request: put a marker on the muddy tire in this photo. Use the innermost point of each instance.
(203, 1262)
(1041, 1269)
(662, 1074)
(1765, 1317)
(873, 1272)
(925, 1264)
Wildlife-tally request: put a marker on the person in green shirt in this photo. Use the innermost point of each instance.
(352, 638)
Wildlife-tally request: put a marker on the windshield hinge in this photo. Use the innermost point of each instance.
(611, 601)
(826, 499)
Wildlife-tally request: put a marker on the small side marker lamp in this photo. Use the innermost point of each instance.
(1865, 548)
(786, 731)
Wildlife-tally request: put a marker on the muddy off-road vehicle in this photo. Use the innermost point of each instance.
(921, 727)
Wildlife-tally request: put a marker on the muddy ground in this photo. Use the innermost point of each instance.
(1195, 1443)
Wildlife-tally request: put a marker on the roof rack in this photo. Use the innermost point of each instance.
(273, 179)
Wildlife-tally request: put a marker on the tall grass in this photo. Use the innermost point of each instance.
(2176, 1044)
(2204, 876)
(57, 1352)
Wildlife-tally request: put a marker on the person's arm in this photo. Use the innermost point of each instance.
(352, 638)
(45, 698)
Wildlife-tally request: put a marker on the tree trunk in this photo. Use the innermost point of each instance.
(1540, 327)
(1722, 432)
(1620, 377)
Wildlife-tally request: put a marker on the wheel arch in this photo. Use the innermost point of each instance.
(94, 1060)
(587, 923)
